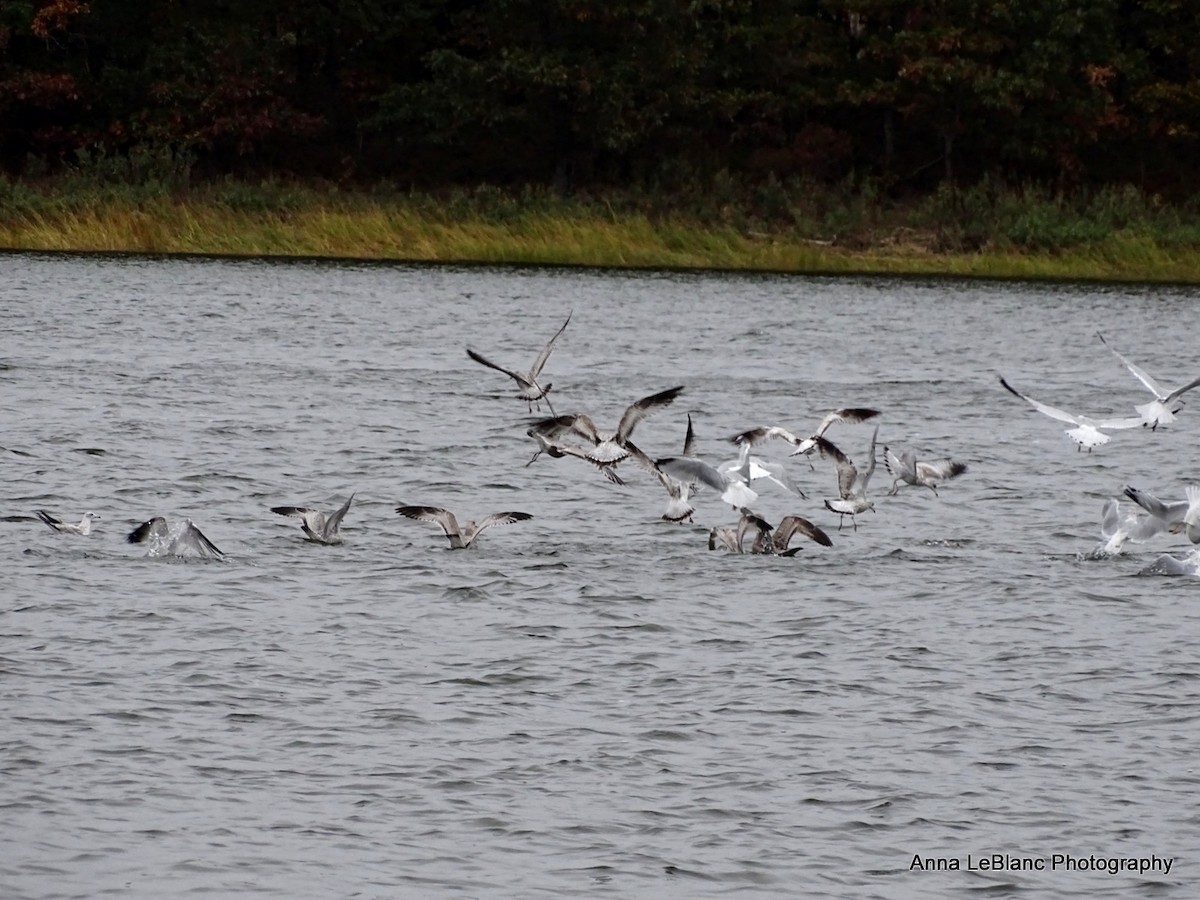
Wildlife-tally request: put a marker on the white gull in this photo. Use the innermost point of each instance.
(320, 527)
(181, 539)
(1087, 432)
(461, 536)
(907, 469)
(84, 526)
(1158, 411)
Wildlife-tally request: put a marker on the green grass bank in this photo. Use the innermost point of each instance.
(1111, 234)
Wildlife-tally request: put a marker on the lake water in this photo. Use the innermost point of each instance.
(590, 702)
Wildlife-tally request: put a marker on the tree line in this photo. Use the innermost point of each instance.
(587, 93)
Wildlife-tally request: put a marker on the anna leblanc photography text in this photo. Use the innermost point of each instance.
(1057, 862)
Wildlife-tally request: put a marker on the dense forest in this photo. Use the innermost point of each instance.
(582, 94)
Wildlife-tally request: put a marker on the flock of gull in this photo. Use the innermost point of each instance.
(737, 481)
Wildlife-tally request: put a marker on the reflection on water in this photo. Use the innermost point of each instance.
(589, 701)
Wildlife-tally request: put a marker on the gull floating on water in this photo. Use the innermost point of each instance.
(1177, 516)
(1087, 432)
(608, 450)
(767, 539)
(84, 526)
(461, 537)
(906, 469)
(320, 527)
(1158, 411)
(531, 392)
(181, 539)
(1170, 565)
(852, 484)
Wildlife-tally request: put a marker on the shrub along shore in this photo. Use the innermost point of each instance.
(1112, 234)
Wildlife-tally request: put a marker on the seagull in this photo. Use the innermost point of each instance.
(749, 469)
(1177, 516)
(181, 539)
(610, 450)
(729, 485)
(905, 469)
(678, 510)
(531, 392)
(84, 526)
(767, 540)
(1158, 411)
(461, 537)
(851, 415)
(321, 528)
(1087, 433)
(1170, 565)
(1117, 527)
(852, 484)
(545, 433)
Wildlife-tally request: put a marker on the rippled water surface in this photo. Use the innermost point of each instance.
(590, 702)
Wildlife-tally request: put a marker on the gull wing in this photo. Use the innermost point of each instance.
(52, 521)
(296, 512)
(689, 440)
(1174, 395)
(1051, 411)
(901, 467)
(864, 476)
(500, 518)
(545, 354)
(852, 415)
(792, 525)
(149, 530)
(763, 433)
(643, 408)
(845, 468)
(199, 541)
(941, 469)
(335, 520)
(1120, 423)
(685, 468)
(516, 376)
(1168, 512)
(443, 518)
(1138, 373)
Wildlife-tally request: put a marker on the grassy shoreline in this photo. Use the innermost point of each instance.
(1013, 236)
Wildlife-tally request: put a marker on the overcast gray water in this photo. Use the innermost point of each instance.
(590, 702)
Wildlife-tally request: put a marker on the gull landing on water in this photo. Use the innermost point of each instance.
(1158, 411)
(1176, 516)
(461, 537)
(84, 526)
(1118, 527)
(905, 469)
(531, 392)
(1087, 432)
(546, 432)
(181, 539)
(321, 528)
(852, 484)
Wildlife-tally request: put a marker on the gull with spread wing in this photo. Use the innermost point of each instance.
(608, 450)
(1086, 432)
(1176, 516)
(852, 484)
(461, 536)
(531, 391)
(320, 527)
(181, 539)
(907, 469)
(1118, 526)
(767, 540)
(1158, 411)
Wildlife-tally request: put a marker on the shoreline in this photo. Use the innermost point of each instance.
(306, 224)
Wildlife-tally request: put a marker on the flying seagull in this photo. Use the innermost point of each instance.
(608, 450)
(852, 483)
(320, 527)
(749, 469)
(805, 445)
(181, 539)
(732, 488)
(1158, 411)
(461, 537)
(546, 433)
(679, 509)
(84, 526)
(531, 391)
(1087, 432)
(906, 469)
